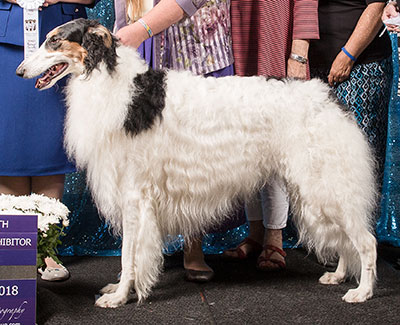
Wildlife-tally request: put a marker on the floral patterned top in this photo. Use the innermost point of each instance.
(200, 43)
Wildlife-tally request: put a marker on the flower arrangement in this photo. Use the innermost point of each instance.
(52, 218)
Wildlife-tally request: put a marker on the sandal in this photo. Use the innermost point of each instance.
(255, 249)
(267, 258)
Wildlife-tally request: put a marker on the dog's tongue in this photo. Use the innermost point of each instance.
(43, 81)
(38, 83)
(48, 75)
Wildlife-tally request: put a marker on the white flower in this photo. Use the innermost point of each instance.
(48, 210)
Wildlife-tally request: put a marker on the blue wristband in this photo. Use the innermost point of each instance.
(348, 54)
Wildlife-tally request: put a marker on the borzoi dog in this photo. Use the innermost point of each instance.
(168, 152)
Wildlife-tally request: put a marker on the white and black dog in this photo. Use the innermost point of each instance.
(168, 152)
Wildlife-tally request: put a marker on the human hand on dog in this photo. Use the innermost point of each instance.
(340, 69)
(132, 35)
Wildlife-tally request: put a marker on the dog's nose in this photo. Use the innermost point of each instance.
(20, 71)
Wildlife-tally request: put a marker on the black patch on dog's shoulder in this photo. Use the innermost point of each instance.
(147, 103)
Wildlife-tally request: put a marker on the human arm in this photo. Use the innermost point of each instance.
(365, 31)
(296, 69)
(391, 10)
(163, 15)
(52, 2)
(305, 27)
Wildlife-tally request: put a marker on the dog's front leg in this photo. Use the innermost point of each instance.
(148, 257)
(141, 256)
(336, 277)
(116, 295)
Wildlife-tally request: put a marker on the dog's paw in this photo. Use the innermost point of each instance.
(331, 278)
(357, 295)
(111, 300)
(109, 288)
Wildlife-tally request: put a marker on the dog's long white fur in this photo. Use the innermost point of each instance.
(219, 140)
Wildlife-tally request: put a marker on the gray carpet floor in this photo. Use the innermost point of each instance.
(239, 294)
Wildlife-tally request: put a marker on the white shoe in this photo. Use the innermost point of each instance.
(54, 273)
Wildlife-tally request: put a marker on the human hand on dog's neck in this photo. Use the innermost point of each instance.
(163, 15)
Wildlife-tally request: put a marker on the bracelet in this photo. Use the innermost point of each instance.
(298, 58)
(146, 27)
(348, 54)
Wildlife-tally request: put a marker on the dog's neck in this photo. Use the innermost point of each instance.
(98, 104)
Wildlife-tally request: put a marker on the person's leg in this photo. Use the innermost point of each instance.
(275, 207)
(15, 185)
(256, 231)
(254, 214)
(51, 186)
(196, 268)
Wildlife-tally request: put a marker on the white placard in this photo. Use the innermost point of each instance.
(31, 25)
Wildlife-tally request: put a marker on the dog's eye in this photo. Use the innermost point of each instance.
(53, 40)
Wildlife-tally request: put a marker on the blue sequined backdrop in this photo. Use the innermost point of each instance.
(387, 228)
(88, 235)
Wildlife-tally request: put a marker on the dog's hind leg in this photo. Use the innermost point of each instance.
(336, 277)
(365, 244)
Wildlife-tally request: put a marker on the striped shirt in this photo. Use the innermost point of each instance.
(263, 32)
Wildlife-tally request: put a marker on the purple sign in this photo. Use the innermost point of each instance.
(13, 241)
(18, 248)
(18, 257)
(18, 223)
(19, 307)
(18, 239)
(18, 245)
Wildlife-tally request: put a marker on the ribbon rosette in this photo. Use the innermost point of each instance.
(30, 4)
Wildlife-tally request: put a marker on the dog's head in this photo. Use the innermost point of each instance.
(77, 47)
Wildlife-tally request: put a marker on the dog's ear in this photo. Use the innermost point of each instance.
(100, 46)
(103, 32)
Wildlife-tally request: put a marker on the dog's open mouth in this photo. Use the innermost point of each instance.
(50, 74)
